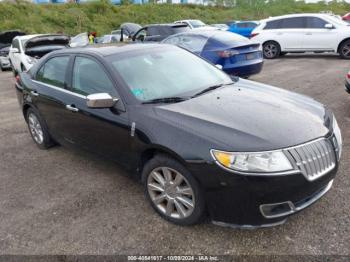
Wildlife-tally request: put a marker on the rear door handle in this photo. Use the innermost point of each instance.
(34, 93)
(72, 108)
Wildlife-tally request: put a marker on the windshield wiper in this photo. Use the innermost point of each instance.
(173, 99)
(210, 88)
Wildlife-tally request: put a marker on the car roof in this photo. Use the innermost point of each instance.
(206, 33)
(294, 15)
(104, 51)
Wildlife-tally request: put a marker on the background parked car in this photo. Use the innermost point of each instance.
(346, 17)
(158, 32)
(128, 30)
(243, 28)
(6, 38)
(4, 58)
(25, 50)
(236, 54)
(303, 33)
(107, 39)
(195, 24)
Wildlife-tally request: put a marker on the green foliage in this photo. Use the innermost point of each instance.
(103, 17)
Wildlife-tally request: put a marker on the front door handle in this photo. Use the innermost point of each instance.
(34, 93)
(72, 108)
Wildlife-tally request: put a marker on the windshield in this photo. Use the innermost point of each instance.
(196, 23)
(166, 72)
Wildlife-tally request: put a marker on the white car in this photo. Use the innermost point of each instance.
(303, 33)
(19, 60)
(4, 58)
(26, 50)
(196, 24)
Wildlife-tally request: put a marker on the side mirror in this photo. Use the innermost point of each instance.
(14, 50)
(329, 26)
(101, 100)
(219, 66)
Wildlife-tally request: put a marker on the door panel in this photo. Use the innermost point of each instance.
(317, 37)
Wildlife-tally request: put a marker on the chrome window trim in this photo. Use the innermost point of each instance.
(60, 89)
(293, 208)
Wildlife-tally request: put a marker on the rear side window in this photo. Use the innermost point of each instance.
(315, 22)
(293, 23)
(90, 78)
(275, 24)
(53, 72)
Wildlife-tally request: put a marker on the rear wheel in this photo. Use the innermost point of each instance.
(344, 50)
(271, 50)
(172, 191)
(38, 129)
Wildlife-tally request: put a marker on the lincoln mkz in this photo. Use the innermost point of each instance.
(204, 144)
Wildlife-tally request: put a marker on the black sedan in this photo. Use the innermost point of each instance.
(204, 144)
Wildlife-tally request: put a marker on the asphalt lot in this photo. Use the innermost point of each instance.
(68, 202)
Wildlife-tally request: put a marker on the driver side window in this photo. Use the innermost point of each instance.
(90, 78)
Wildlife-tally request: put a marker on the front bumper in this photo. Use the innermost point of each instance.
(235, 200)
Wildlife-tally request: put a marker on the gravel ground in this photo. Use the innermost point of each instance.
(68, 202)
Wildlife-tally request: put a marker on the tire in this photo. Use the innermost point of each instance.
(344, 50)
(38, 130)
(271, 50)
(165, 196)
(1, 69)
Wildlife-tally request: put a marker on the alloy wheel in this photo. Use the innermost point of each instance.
(270, 50)
(35, 128)
(170, 192)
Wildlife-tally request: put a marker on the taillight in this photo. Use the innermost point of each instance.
(253, 35)
(227, 53)
(348, 76)
(18, 78)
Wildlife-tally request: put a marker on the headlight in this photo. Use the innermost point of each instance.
(262, 162)
(337, 134)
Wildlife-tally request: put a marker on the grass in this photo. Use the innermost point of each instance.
(103, 17)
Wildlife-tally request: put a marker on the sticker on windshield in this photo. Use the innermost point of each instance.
(137, 92)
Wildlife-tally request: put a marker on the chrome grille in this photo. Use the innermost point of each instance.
(313, 159)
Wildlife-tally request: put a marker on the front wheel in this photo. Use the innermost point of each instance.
(344, 50)
(172, 191)
(271, 50)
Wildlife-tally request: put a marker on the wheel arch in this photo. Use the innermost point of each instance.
(338, 48)
(148, 153)
(272, 41)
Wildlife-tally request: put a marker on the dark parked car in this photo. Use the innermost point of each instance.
(158, 32)
(236, 54)
(203, 143)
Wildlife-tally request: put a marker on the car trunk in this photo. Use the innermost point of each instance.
(42, 45)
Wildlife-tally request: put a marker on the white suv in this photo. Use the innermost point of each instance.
(19, 60)
(303, 33)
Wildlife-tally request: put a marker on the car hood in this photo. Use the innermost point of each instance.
(41, 45)
(249, 116)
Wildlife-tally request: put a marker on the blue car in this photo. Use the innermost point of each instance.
(243, 28)
(236, 54)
